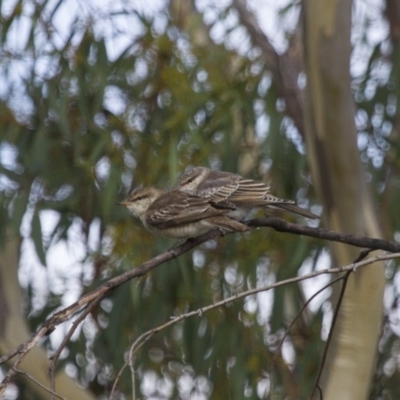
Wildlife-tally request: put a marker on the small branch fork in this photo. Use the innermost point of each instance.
(347, 270)
(87, 301)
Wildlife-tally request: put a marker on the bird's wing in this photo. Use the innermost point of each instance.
(247, 193)
(178, 208)
(243, 193)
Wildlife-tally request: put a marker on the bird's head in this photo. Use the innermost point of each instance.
(189, 181)
(141, 199)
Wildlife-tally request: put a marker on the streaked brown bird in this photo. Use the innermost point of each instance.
(178, 214)
(225, 188)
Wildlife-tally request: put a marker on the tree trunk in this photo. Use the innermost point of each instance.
(14, 330)
(341, 182)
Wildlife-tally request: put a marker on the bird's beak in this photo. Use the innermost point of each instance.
(122, 203)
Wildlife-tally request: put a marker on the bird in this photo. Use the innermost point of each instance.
(180, 215)
(232, 190)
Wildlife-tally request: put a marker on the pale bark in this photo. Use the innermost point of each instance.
(14, 331)
(341, 183)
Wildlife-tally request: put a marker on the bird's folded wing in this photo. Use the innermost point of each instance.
(246, 193)
(180, 208)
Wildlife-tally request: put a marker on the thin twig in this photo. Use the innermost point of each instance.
(116, 380)
(333, 324)
(129, 362)
(144, 337)
(321, 395)
(29, 376)
(278, 350)
(345, 278)
(66, 313)
(132, 351)
(362, 255)
(54, 358)
(11, 354)
(303, 308)
(27, 346)
(274, 222)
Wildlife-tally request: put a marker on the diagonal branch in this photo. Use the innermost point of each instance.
(29, 376)
(249, 20)
(285, 68)
(348, 269)
(54, 358)
(273, 222)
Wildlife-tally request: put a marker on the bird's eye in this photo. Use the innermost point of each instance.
(140, 198)
(188, 180)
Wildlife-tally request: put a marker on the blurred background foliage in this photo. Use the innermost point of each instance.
(87, 114)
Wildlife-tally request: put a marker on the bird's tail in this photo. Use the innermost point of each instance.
(296, 210)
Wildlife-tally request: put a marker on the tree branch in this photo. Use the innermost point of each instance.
(29, 376)
(281, 225)
(273, 222)
(345, 279)
(331, 330)
(26, 347)
(285, 68)
(54, 358)
(348, 269)
(303, 307)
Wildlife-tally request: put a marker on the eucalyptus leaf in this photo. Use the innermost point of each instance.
(37, 237)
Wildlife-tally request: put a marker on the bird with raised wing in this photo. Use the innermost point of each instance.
(179, 214)
(232, 190)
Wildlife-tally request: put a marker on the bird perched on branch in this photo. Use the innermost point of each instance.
(241, 194)
(178, 214)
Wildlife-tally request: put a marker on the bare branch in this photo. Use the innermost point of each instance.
(303, 308)
(134, 348)
(26, 347)
(144, 337)
(285, 68)
(249, 20)
(54, 358)
(329, 340)
(355, 240)
(11, 354)
(29, 376)
(98, 293)
(345, 278)
(103, 290)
